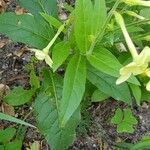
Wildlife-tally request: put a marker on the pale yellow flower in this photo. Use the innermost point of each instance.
(137, 2)
(140, 62)
(138, 66)
(43, 55)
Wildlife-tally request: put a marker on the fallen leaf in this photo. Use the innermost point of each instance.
(3, 90)
(4, 42)
(20, 11)
(20, 52)
(7, 109)
(2, 6)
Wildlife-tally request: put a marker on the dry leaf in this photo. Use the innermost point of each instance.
(2, 6)
(20, 52)
(3, 90)
(20, 11)
(4, 42)
(7, 109)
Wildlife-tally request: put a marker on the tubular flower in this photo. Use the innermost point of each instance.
(140, 62)
(43, 55)
(137, 2)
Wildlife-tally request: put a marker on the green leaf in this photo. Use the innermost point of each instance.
(103, 60)
(99, 96)
(73, 88)
(47, 115)
(128, 117)
(125, 127)
(7, 134)
(145, 95)
(15, 145)
(2, 147)
(124, 120)
(26, 29)
(59, 54)
(87, 25)
(18, 96)
(117, 118)
(13, 119)
(37, 6)
(51, 20)
(136, 90)
(107, 84)
(34, 80)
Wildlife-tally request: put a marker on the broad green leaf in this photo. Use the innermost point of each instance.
(103, 60)
(145, 95)
(87, 25)
(107, 84)
(15, 145)
(117, 118)
(99, 96)
(34, 80)
(13, 119)
(136, 91)
(125, 127)
(7, 134)
(124, 120)
(99, 16)
(18, 96)
(59, 54)
(51, 20)
(2, 147)
(73, 88)
(26, 29)
(47, 115)
(37, 6)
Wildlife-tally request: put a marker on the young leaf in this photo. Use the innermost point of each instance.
(73, 88)
(15, 145)
(47, 110)
(107, 84)
(99, 96)
(124, 120)
(18, 96)
(51, 20)
(136, 91)
(85, 12)
(59, 54)
(117, 118)
(7, 134)
(26, 29)
(37, 6)
(106, 62)
(13, 119)
(34, 80)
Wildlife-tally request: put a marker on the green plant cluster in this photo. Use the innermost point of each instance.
(92, 46)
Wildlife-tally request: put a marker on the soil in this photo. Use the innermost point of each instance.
(95, 131)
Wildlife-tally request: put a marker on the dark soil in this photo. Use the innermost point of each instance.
(95, 131)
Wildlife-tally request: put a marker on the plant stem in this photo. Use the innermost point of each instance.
(101, 33)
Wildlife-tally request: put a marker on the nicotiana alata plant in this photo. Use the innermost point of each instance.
(85, 46)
